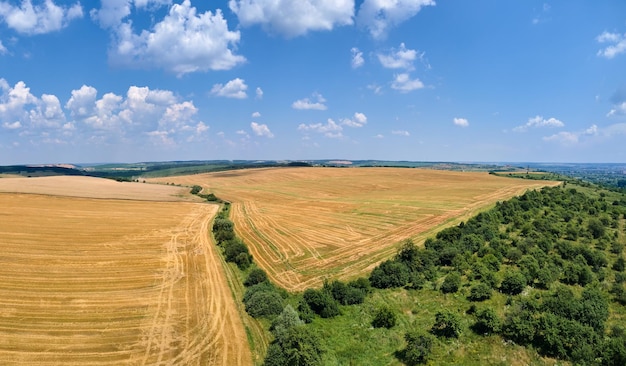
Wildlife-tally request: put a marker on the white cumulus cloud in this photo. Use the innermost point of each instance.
(261, 130)
(359, 120)
(404, 83)
(293, 18)
(570, 138)
(378, 16)
(184, 41)
(259, 93)
(616, 41)
(3, 50)
(401, 58)
(45, 18)
(461, 122)
(235, 88)
(539, 121)
(316, 103)
(357, 58)
(256, 115)
(330, 129)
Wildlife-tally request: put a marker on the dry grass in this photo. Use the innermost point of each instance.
(90, 187)
(113, 282)
(307, 224)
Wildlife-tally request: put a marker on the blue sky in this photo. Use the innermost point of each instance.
(459, 80)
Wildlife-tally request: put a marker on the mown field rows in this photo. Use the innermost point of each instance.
(113, 282)
(307, 224)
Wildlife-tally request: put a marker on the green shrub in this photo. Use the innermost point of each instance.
(451, 283)
(418, 348)
(321, 302)
(384, 318)
(390, 274)
(480, 292)
(447, 324)
(513, 283)
(255, 277)
(487, 322)
(264, 303)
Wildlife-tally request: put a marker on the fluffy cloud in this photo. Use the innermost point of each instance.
(570, 138)
(616, 41)
(45, 18)
(357, 58)
(377, 16)
(461, 122)
(317, 103)
(405, 84)
(359, 120)
(259, 93)
(155, 114)
(293, 18)
(261, 130)
(19, 109)
(402, 58)
(256, 115)
(235, 88)
(539, 121)
(183, 42)
(331, 129)
(3, 50)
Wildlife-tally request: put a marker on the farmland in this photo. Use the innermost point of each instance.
(123, 274)
(307, 224)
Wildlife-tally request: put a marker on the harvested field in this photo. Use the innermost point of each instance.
(113, 282)
(307, 224)
(91, 187)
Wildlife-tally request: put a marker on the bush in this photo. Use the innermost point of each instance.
(255, 277)
(513, 283)
(447, 324)
(264, 303)
(237, 252)
(384, 318)
(451, 283)
(298, 346)
(390, 274)
(286, 320)
(305, 312)
(418, 348)
(487, 322)
(322, 303)
(480, 292)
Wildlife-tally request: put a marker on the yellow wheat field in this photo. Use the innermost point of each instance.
(307, 224)
(88, 281)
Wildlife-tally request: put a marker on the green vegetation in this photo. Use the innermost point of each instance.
(540, 275)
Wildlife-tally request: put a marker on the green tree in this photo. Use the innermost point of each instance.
(299, 346)
(487, 322)
(286, 320)
(596, 228)
(513, 282)
(384, 318)
(447, 324)
(390, 274)
(480, 292)
(321, 302)
(255, 277)
(451, 283)
(418, 348)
